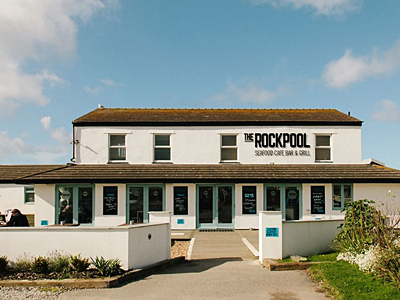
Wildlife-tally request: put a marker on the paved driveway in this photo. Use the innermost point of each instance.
(212, 279)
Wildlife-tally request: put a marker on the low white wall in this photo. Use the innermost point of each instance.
(308, 237)
(128, 243)
(13, 196)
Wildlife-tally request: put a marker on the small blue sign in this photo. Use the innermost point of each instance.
(272, 232)
(44, 222)
(181, 221)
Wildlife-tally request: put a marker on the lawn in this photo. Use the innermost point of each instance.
(346, 281)
(315, 258)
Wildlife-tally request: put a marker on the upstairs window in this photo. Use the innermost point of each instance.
(341, 194)
(162, 147)
(323, 148)
(117, 147)
(29, 195)
(228, 148)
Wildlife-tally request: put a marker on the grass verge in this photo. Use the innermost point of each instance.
(345, 281)
(315, 258)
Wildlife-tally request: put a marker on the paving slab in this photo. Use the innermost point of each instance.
(219, 245)
(251, 236)
(230, 278)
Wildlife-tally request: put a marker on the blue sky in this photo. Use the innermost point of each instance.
(60, 59)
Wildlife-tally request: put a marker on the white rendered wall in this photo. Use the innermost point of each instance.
(45, 195)
(104, 220)
(13, 196)
(201, 145)
(190, 219)
(308, 237)
(128, 243)
(244, 221)
(270, 247)
(378, 192)
(330, 213)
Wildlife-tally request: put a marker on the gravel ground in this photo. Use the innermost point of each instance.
(179, 248)
(19, 293)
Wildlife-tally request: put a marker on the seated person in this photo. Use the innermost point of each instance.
(17, 219)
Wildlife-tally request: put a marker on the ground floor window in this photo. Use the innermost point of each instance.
(74, 204)
(341, 193)
(142, 199)
(285, 198)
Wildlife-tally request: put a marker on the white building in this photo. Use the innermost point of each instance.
(212, 168)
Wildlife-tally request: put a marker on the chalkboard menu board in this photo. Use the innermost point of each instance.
(249, 200)
(317, 199)
(110, 200)
(180, 200)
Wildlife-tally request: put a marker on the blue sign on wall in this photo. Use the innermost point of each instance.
(181, 221)
(272, 232)
(44, 222)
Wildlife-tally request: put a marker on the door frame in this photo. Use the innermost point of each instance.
(215, 223)
(145, 187)
(75, 212)
(282, 186)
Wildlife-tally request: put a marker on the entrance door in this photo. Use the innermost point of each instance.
(74, 205)
(142, 199)
(215, 206)
(285, 198)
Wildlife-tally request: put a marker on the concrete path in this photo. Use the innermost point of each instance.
(251, 236)
(219, 245)
(212, 279)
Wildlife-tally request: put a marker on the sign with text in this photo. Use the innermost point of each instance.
(249, 200)
(272, 232)
(180, 221)
(317, 199)
(180, 200)
(110, 200)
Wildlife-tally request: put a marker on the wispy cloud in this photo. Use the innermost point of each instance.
(389, 111)
(46, 122)
(109, 82)
(320, 7)
(246, 91)
(350, 68)
(92, 91)
(35, 31)
(60, 135)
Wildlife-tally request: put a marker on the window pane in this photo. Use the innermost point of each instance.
(117, 154)
(162, 154)
(228, 154)
(162, 140)
(292, 205)
(224, 204)
(229, 140)
(273, 198)
(322, 154)
(337, 196)
(85, 208)
(323, 140)
(117, 140)
(65, 205)
(347, 193)
(29, 195)
(136, 204)
(155, 199)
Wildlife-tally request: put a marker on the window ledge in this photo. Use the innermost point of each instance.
(29, 203)
(166, 162)
(324, 161)
(229, 162)
(118, 162)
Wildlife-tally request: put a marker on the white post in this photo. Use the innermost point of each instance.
(163, 217)
(270, 235)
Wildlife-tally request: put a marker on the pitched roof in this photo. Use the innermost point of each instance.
(212, 117)
(12, 173)
(162, 173)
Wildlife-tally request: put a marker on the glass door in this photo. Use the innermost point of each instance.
(142, 199)
(285, 198)
(215, 207)
(74, 205)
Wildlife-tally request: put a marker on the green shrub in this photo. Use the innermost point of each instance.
(3, 264)
(78, 263)
(58, 262)
(23, 264)
(40, 265)
(107, 267)
(359, 229)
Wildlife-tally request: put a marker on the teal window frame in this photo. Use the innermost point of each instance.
(215, 223)
(145, 199)
(29, 192)
(282, 187)
(75, 213)
(342, 194)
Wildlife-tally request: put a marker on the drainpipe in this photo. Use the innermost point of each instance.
(73, 144)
